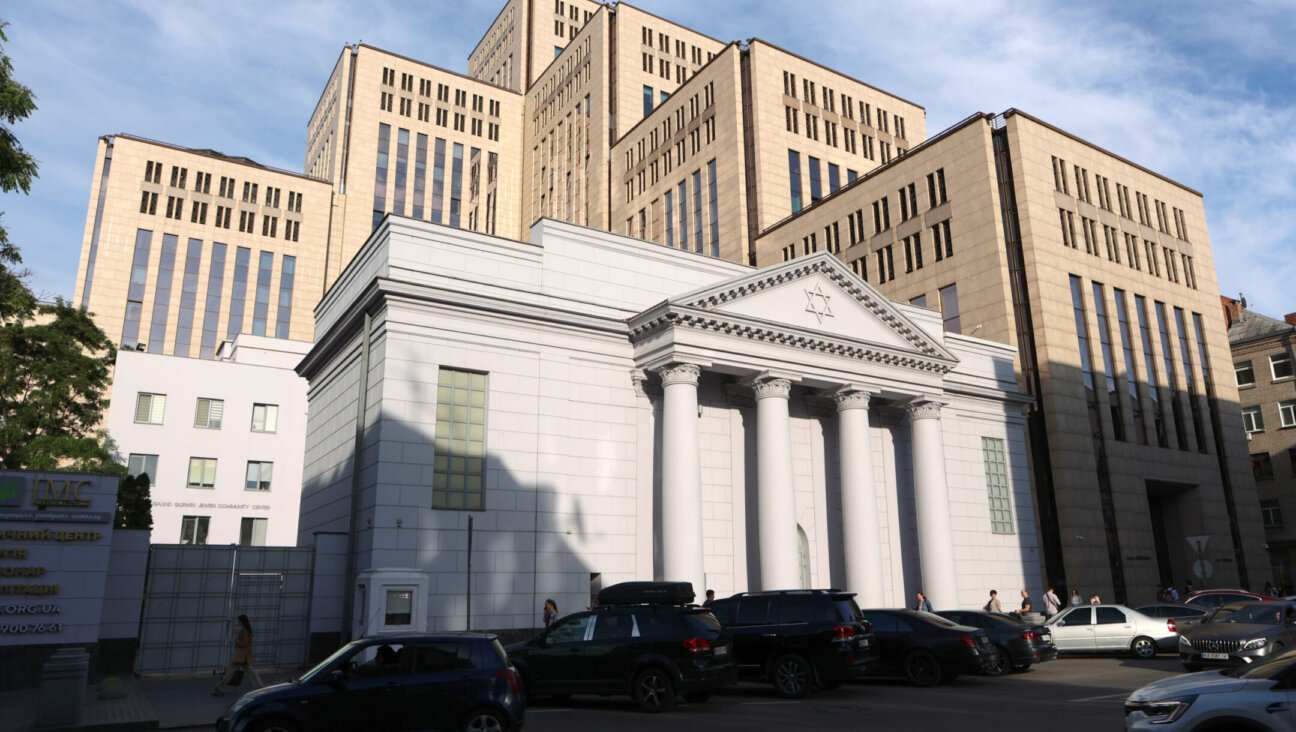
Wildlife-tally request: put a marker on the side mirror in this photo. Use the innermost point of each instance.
(336, 677)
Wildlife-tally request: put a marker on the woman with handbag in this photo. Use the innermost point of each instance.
(242, 662)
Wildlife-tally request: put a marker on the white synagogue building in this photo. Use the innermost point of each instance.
(602, 409)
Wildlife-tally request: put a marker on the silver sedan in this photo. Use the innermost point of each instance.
(1106, 628)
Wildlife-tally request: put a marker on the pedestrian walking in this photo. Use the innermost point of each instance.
(242, 662)
(1076, 599)
(1026, 603)
(1172, 593)
(550, 612)
(1051, 603)
(923, 605)
(993, 605)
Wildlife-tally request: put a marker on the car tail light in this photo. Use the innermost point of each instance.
(512, 678)
(968, 640)
(697, 645)
(1031, 635)
(843, 633)
(1170, 626)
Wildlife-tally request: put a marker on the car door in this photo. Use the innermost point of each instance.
(553, 659)
(368, 697)
(754, 635)
(614, 643)
(1073, 629)
(1113, 629)
(892, 636)
(438, 689)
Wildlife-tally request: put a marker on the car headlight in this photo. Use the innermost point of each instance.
(1184, 642)
(1258, 643)
(1161, 711)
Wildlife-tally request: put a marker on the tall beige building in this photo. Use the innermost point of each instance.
(1097, 270)
(1100, 273)
(185, 248)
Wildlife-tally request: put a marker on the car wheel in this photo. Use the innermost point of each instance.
(652, 690)
(272, 725)
(791, 676)
(698, 697)
(1192, 667)
(1001, 664)
(922, 668)
(488, 720)
(1143, 647)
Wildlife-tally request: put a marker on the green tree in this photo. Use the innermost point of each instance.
(55, 363)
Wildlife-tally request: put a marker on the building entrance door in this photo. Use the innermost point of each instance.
(1173, 556)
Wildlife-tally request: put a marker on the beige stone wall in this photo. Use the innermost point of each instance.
(672, 149)
(412, 96)
(1276, 440)
(1198, 503)
(845, 224)
(656, 53)
(566, 146)
(121, 218)
(833, 95)
(324, 130)
(498, 58)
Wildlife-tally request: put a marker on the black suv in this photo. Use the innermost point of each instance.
(392, 682)
(643, 639)
(798, 639)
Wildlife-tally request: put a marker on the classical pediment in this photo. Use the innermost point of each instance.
(815, 302)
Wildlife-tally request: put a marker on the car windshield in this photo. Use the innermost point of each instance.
(1269, 614)
(311, 675)
(847, 610)
(1270, 668)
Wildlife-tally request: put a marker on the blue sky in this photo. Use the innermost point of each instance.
(1201, 92)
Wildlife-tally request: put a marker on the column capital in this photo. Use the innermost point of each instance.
(680, 373)
(851, 399)
(772, 387)
(923, 410)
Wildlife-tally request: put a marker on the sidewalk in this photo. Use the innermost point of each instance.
(151, 703)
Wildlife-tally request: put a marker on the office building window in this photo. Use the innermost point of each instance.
(211, 309)
(380, 174)
(238, 296)
(459, 468)
(670, 226)
(1280, 367)
(265, 417)
(188, 297)
(1271, 514)
(135, 290)
(162, 294)
(438, 179)
(1109, 362)
(1262, 466)
(261, 298)
(456, 182)
(420, 174)
(941, 235)
(283, 318)
(794, 176)
(202, 472)
(252, 532)
(1154, 389)
(149, 408)
(193, 530)
(697, 211)
(259, 475)
(648, 99)
(683, 217)
(209, 413)
(402, 167)
(996, 474)
(816, 191)
(1287, 413)
(1131, 365)
(834, 178)
(715, 210)
(138, 464)
(950, 309)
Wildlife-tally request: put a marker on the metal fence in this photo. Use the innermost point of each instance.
(193, 593)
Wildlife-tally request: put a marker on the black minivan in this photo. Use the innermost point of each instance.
(798, 640)
(643, 639)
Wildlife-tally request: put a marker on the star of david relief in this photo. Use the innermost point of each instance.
(817, 303)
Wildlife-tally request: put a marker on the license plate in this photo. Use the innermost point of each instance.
(722, 650)
(1215, 656)
(863, 643)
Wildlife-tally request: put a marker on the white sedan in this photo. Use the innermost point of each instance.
(1106, 628)
(1258, 696)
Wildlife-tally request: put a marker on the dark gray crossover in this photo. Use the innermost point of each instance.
(1239, 633)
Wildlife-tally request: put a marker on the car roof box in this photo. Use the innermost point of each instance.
(647, 593)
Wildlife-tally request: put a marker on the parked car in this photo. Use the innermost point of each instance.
(1184, 616)
(395, 682)
(1212, 599)
(926, 648)
(1019, 643)
(643, 639)
(1106, 628)
(798, 640)
(1239, 633)
(1260, 696)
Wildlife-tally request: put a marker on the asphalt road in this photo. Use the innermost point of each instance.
(1083, 694)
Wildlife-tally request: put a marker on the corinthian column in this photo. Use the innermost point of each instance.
(861, 537)
(931, 499)
(776, 504)
(681, 516)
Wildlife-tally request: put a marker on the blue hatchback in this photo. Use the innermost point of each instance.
(445, 681)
